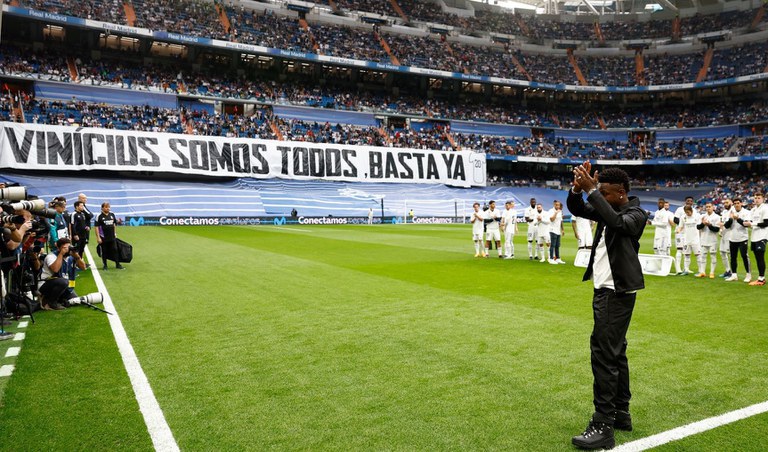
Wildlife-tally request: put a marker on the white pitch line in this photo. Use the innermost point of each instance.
(6, 371)
(693, 428)
(157, 426)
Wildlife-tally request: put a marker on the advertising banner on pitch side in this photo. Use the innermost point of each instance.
(46, 147)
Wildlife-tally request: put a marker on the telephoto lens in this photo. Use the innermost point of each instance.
(13, 193)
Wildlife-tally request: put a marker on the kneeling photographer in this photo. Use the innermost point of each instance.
(58, 270)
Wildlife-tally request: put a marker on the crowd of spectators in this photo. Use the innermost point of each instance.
(201, 18)
(361, 44)
(198, 17)
(268, 29)
(126, 74)
(256, 124)
(110, 11)
(190, 17)
(730, 187)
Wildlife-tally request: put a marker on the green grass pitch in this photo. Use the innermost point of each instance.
(375, 338)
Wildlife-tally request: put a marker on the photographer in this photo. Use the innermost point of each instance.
(58, 271)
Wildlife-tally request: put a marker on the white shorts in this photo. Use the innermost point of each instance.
(494, 235)
(531, 235)
(725, 245)
(661, 243)
(680, 241)
(509, 236)
(693, 248)
(585, 240)
(477, 236)
(543, 239)
(709, 249)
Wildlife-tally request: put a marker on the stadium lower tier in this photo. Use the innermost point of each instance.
(262, 122)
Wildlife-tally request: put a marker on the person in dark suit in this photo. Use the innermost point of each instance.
(615, 271)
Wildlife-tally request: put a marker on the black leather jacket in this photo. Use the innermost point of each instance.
(623, 229)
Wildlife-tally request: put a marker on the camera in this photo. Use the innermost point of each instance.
(31, 205)
(17, 193)
(10, 218)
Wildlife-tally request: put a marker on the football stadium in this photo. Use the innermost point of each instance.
(408, 225)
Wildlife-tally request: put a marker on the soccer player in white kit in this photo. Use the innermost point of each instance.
(689, 227)
(530, 216)
(759, 225)
(725, 237)
(582, 230)
(493, 215)
(477, 220)
(542, 221)
(662, 222)
(509, 226)
(740, 216)
(680, 237)
(710, 235)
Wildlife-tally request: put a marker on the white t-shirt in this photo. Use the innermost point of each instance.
(759, 215)
(542, 225)
(556, 225)
(738, 232)
(530, 212)
(690, 223)
(510, 220)
(661, 222)
(725, 232)
(494, 215)
(477, 222)
(708, 237)
(602, 276)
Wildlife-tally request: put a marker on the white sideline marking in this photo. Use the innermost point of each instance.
(12, 351)
(6, 371)
(19, 337)
(157, 426)
(23, 324)
(693, 428)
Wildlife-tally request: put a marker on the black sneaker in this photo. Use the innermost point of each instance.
(104, 268)
(598, 435)
(622, 421)
(119, 267)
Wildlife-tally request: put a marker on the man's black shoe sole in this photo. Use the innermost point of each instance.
(608, 443)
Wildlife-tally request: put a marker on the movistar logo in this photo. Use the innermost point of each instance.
(136, 221)
(396, 220)
(279, 221)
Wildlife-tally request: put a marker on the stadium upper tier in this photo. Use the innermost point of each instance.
(694, 62)
(119, 71)
(202, 18)
(264, 123)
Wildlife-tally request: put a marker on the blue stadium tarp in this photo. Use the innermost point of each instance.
(100, 94)
(325, 115)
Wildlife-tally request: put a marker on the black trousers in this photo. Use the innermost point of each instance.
(612, 313)
(736, 249)
(54, 290)
(109, 250)
(759, 249)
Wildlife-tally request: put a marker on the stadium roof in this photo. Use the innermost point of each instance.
(600, 6)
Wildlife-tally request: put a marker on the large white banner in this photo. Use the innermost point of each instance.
(44, 147)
